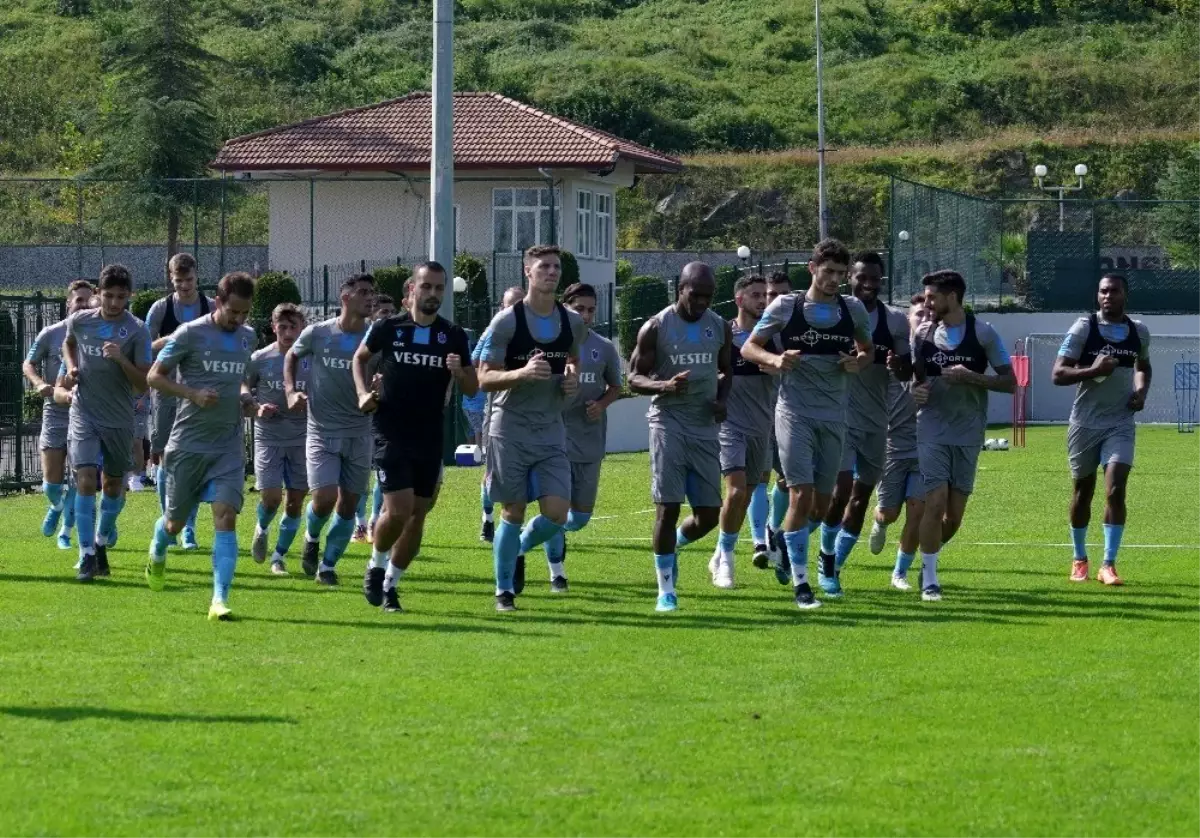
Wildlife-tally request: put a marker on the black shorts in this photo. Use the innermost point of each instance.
(401, 468)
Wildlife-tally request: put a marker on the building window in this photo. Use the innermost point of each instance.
(583, 222)
(522, 218)
(603, 240)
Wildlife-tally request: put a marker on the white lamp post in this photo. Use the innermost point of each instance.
(743, 253)
(460, 285)
(1039, 173)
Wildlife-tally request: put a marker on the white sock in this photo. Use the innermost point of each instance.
(275, 557)
(556, 570)
(929, 569)
(379, 559)
(311, 540)
(487, 518)
(799, 574)
(666, 580)
(101, 540)
(324, 567)
(394, 574)
(258, 530)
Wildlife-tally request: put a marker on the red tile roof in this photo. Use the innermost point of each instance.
(490, 131)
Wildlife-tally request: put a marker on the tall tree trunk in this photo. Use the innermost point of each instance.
(172, 236)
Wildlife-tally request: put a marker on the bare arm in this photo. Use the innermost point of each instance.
(158, 345)
(494, 378)
(71, 359)
(362, 376)
(44, 388)
(725, 366)
(900, 366)
(643, 361)
(468, 380)
(1004, 381)
(1067, 371)
(164, 382)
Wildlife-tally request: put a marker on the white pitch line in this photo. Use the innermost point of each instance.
(989, 543)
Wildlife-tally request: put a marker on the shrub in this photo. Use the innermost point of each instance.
(722, 303)
(271, 289)
(139, 306)
(639, 299)
(624, 271)
(11, 386)
(390, 281)
(570, 271)
(472, 269)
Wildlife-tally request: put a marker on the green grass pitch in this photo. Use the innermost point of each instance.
(1022, 704)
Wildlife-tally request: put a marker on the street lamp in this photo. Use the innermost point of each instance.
(1040, 171)
(743, 253)
(460, 285)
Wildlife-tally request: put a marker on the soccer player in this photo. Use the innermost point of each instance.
(279, 438)
(682, 359)
(745, 435)
(586, 423)
(826, 340)
(901, 485)
(364, 529)
(951, 355)
(1107, 355)
(865, 447)
(487, 530)
(339, 446)
(203, 366)
(141, 423)
(106, 355)
(419, 354)
(778, 284)
(528, 359)
(41, 370)
(184, 304)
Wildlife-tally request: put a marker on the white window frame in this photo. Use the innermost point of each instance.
(544, 203)
(585, 214)
(602, 240)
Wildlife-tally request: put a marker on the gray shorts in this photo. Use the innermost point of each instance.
(342, 461)
(95, 445)
(585, 485)
(810, 452)
(683, 468)
(53, 436)
(864, 454)
(1090, 448)
(743, 452)
(162, 417)
(141, 425)
(523, 472)
(952, 464)
(193, 477)
(901, 481)
(280, 466)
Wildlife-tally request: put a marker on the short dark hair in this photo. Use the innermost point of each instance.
(946, 282)
(831, 250)
(181, 262)
(116, 276)
(746, 281)
(579, 289)
(79, 285)
(868, 257)
(287, 311)
(384, 299)
(539, 250)
(429, 265)
(235, 284)
(352, 280)
(1117, 278)
(917, 300)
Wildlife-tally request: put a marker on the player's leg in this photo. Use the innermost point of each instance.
(797, 452)
(585, 486)
(507, 485)
(116, 451)
(668, 490)
(136, 482)
(360, 515)
(1083, 459)
(869, 457)
(666, 566)
(702, 488)
(323, 465)
(910, 541)
(1116, 478)
(376, 508)
(289, 527)
(353, 482)
(888, 501)
(965, 460)
(269, 468)
(54, 461)
(733, 453)
(182, 475)
(87, 478)
(226, 479)
(937, 493)
(758, 512)
(396, 512)
(408, 545)
(68, 516)
(828, 460)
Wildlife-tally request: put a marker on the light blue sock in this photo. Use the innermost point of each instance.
(727, 541)
(779, 507)
(505, 548)
(161, 540)
(85, 522)
(360, 511)
(54, 495)
(1079, 541)
(537, 532)
(681, 540)
(376, 501)
(1112, 541)
(110, 508)
(829, 538)
(160, 486)
(337, 540)
(485, 499)
(797, 546)
(555, 547)
(265, 516)
(758, 511)
(314, 523)
(224, 558)
(191, 520)
(844, 544)
(577, 520)
(288, 527)
(68, 519)
(903, 563)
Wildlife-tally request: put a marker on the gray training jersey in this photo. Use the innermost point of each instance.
(208, 357)
(332, 399)
(104, 397)
(264, 377)
(815, 389)
(956, 414)
(45, 353)
(752, 394)
(1105, 404)
(184, 314)
(599, 368)
(901, 421)
(867, 400)
(680, 346)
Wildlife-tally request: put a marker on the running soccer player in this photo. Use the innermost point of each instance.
(203, 366)
(773, 510)
(136, 481)
(826, 340)
(419, 354)
(865, 448)
(1107, 355)
(184, 304)
(745, 435)
(338, 451)
(279, 437)
(487, 530)
(528, 358)
(683, 360)
(106, 355)
(41, 370)
(586, 423)
(364, 525)
(951, 355)
(901, 486)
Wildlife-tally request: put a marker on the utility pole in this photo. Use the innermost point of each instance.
(441, 165)
(822, 201)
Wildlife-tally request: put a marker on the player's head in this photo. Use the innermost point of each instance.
(358, 295)
(543, 267)
(116, 287)
(918, 312)
(287, 321)
(94, 302)
(429, 288)
(1111, 295)
(581, 299)
(385, 306)
(79, 295)
(696, 289)
(828, 266)
(750, 294)
(944, 292)
(778, 284)
(182, 270)
(866, 276)
(235, 291)
(512, 296)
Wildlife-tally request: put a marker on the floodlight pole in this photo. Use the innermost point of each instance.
(441, 163)
(822, 203)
